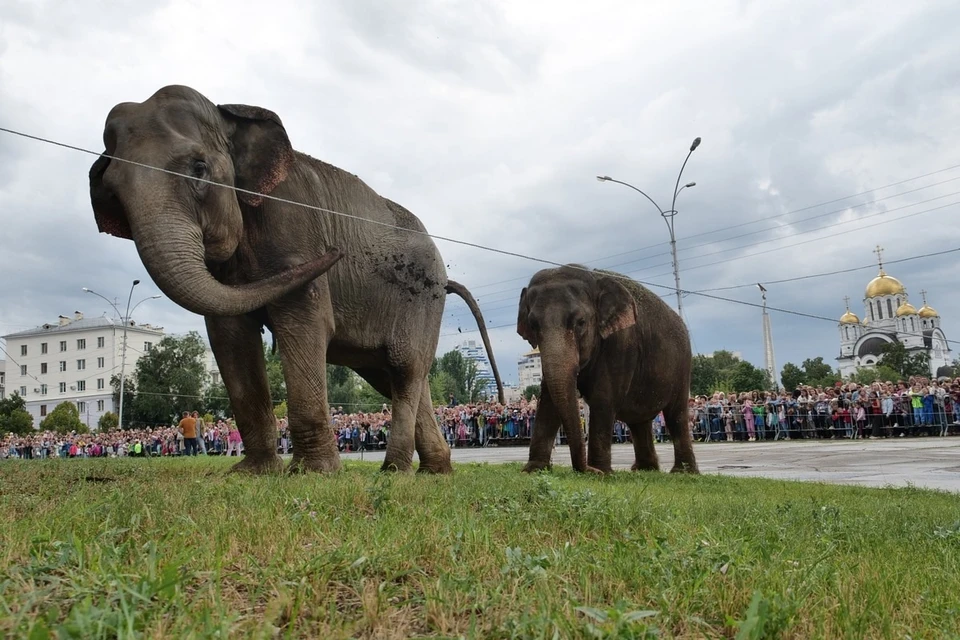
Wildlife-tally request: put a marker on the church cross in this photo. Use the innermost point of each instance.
(846, 301)
(879, 252)
(924, 294)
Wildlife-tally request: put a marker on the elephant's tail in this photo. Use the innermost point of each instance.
(463, 292)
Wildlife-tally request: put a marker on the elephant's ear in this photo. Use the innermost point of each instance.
(260, 148)
(523, 330)
(616, 308)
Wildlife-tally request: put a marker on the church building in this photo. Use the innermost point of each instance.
(888, 316)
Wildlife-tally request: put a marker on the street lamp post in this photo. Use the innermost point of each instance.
(668, 216)
(123, 350)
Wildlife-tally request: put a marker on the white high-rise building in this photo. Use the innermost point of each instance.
(530, 369)
(73, 360)
(472, 351)
(3, 393)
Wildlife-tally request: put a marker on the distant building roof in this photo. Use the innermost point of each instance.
(66, 325)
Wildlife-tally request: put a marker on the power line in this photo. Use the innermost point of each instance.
(830, 273)
(781, 248)
(796, 244)
(453, 240)
(780, 215)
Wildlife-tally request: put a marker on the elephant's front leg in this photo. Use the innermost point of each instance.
(545, 429)
(303, 328)
(238, 348)
(600, 438)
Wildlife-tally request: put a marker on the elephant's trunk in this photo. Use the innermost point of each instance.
(171, 247)
(560, 360)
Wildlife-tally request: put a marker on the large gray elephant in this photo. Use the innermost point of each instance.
(623, 349)
(365, 289)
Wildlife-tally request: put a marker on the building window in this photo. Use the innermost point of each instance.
(879, 311)
(889, 307)
(63, 387)
(99, 405)
(63, 366)
(101, 341)
(43, 348)
(43, 389)
(23, 350)
(100, 363)
(81, 365)
(82, 407)
(81, 343)
(870, 307)
(43, 410)
(63, 345)
(147, 346)
(81, 385)
(99, 383)
(23, 391)
(43, 368)
(23, 369)
(913, 327)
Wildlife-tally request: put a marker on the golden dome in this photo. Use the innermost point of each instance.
(884, 285)
(849, 318)
(906, 309)
(926, 311)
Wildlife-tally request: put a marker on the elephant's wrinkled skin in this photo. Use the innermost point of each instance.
(330, 288)
(623, 349)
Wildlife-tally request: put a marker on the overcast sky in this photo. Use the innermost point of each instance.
(490, 120)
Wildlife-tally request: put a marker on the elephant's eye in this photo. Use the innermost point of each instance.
(199, 169)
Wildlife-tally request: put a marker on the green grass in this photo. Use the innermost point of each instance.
(177, 549)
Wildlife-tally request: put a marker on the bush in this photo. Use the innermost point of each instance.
(63, 419)
(108, 421)
(17, 421)
(280, 411)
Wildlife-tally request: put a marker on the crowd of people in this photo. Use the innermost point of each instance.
(906, 408)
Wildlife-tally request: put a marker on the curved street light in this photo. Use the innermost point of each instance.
(125, 319)
(668, 215)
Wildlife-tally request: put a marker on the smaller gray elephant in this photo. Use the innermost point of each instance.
(623, 349)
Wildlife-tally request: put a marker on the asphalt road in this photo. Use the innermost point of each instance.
(923, 462)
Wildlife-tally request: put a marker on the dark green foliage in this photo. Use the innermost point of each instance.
(532, 390)
(63, 419)
(170, 379)
(14, 417)
(895, 356)
(725, 372)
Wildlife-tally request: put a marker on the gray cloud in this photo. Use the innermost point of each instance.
(489, 120)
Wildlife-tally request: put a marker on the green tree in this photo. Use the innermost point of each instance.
(895, 356)
(63, 419)
(280, 410)
(278, 385)
(792, 376)
(109, 421)
(343, 387)
(463, 372)
(14, 417)
(170, 379)
(532, 390)
(216, 400)
(442, 385)
(703, 375)
(818, 373)
(129, 396)
(369, 399)
(747, 377)
(869, 375)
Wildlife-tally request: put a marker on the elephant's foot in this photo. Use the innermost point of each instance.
(314, 464)
(443, 467)
(259, 465)
(685, 467)
(592, 470)
(536, 465)
(645, 465)
(397, 466)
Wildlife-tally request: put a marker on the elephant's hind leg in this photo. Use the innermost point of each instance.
(405, 391)
(432, 449)
(677, 421)
(237, 345)
(645, 454)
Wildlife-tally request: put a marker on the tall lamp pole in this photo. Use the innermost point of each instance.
(668, 216)
(123, 351)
